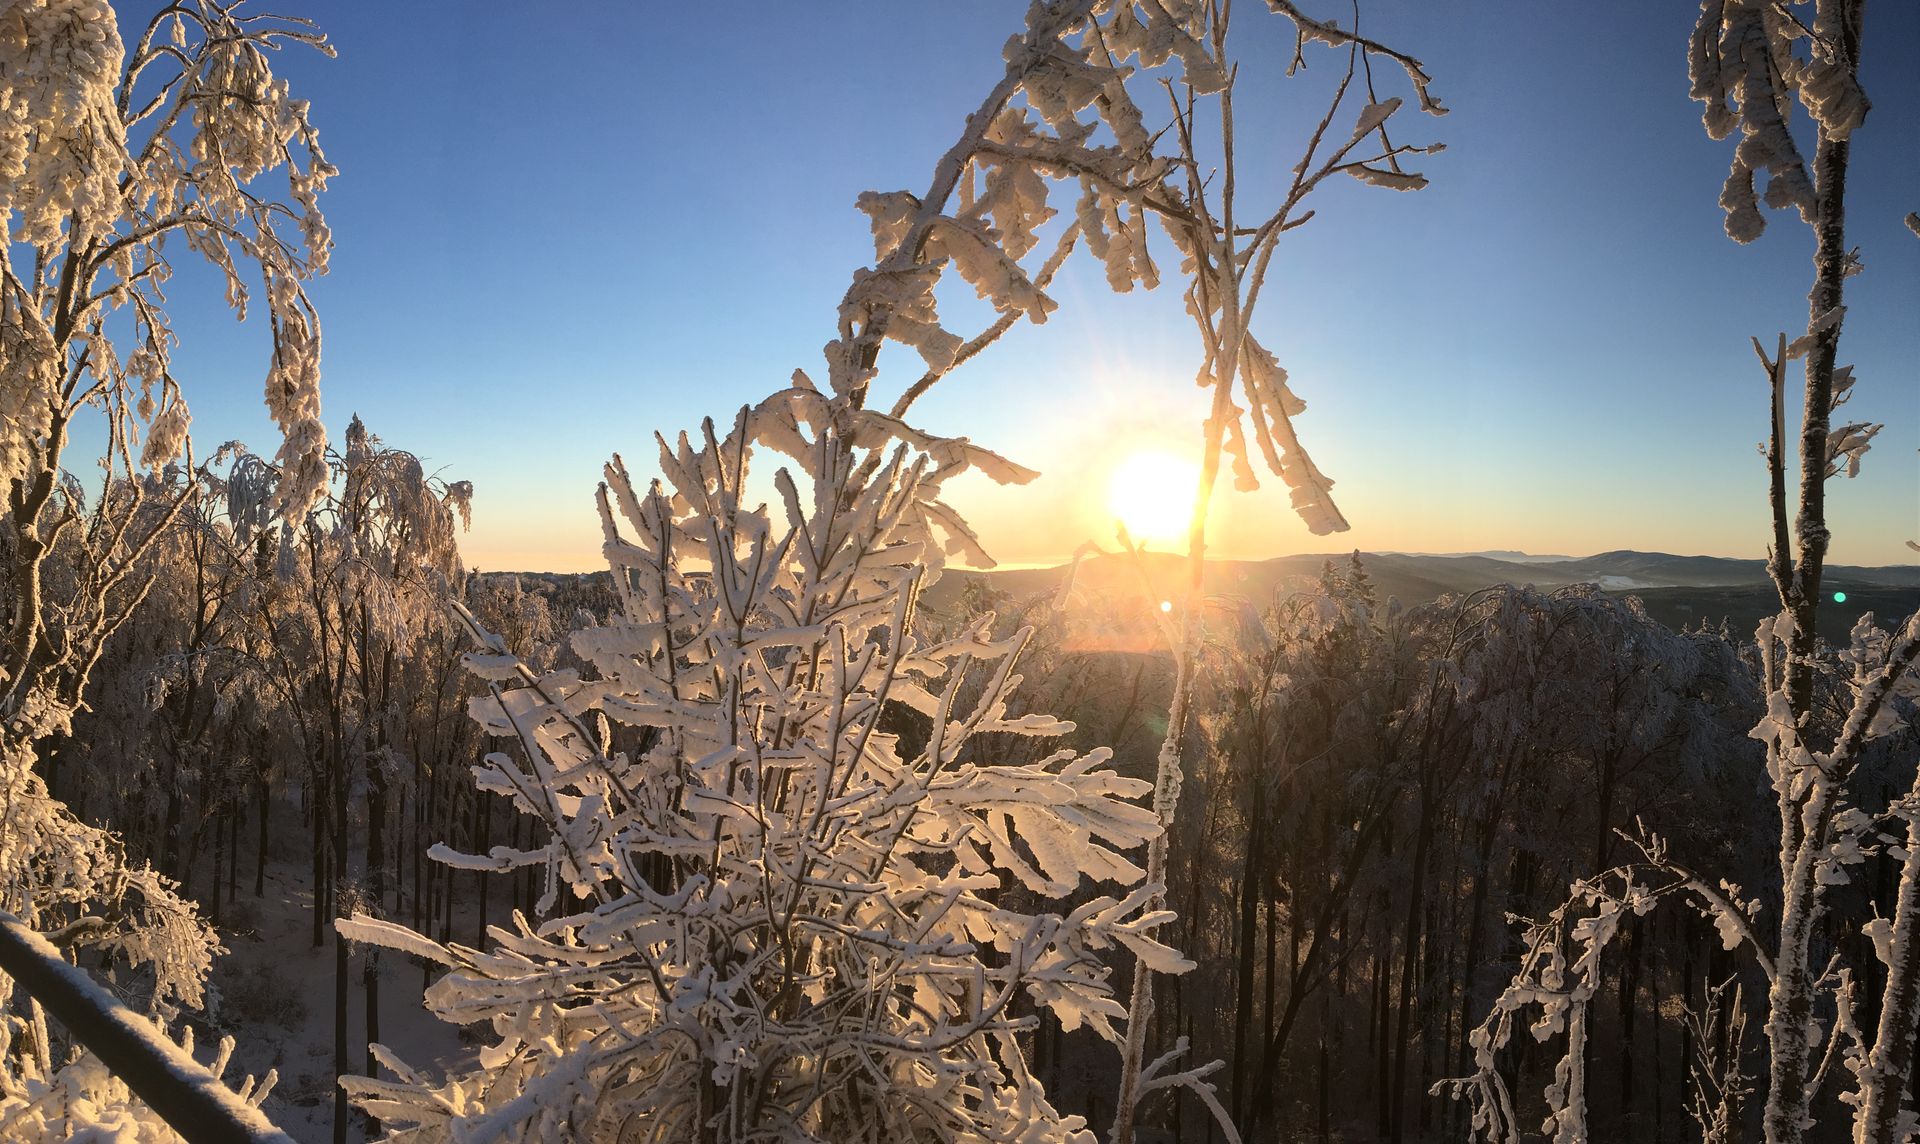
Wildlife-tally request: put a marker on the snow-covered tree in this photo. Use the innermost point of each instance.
(774, 917)
(364, 581)
(1753, 63)
(107, 154)
(164, 753)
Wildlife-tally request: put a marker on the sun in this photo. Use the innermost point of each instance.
(1152, 494)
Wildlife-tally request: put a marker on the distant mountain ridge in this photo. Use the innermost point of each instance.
(1626, 568)
(1510, 554)
(1678, 590)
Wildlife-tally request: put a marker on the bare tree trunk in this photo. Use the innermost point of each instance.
(446, 883)
(376, 891)
(400, 854)
(1380, 1028)
(234, 818)
(1246, 937)
(1629, 1006)
(260, 855)
(170, 830)
(1417, 879)
(1324, 1087)
(322, 867)
(1653, 1027)
(189, 863)
(219, 865)
(482, 832)
(1428, 1003)
(342, 1112)
(1687, 943)
(342, 1062)
(1269, 1066)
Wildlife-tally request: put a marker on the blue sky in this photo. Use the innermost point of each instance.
(556, 235)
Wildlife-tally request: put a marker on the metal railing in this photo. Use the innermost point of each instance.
(184, 1093)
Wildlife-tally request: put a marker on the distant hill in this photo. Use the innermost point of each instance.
(1507, 554)
(1677, 590)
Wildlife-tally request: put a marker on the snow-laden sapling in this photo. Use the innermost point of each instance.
(772, 913)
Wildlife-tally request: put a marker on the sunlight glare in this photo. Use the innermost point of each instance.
(1152, 494)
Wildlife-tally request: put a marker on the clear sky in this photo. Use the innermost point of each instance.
(562, 227)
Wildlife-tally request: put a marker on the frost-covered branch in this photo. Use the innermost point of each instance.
(1720, 1085)
(1560, 974)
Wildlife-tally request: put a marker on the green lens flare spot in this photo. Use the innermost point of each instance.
(1839, 597)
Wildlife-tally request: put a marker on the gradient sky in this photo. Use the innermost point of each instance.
(557, 234)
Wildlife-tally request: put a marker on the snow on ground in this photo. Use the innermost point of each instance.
(277, 1003)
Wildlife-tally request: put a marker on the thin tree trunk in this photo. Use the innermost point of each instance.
(1417, 884)
(219, 866)
(1269, 989)
(446, 883)
(1379, 1029)
(234, 820)
(342, 1063)
(1427, 1002)
(483, 830)
(170, 849)
(376, 892)
(1653, 1027)
(341, 1111)
(1324, 1087)
(1246, 936)
(317, 816)
(189, 863)
(1470, 959)
(1629, 1006)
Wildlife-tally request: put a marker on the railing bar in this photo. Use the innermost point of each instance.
(193, 1101)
